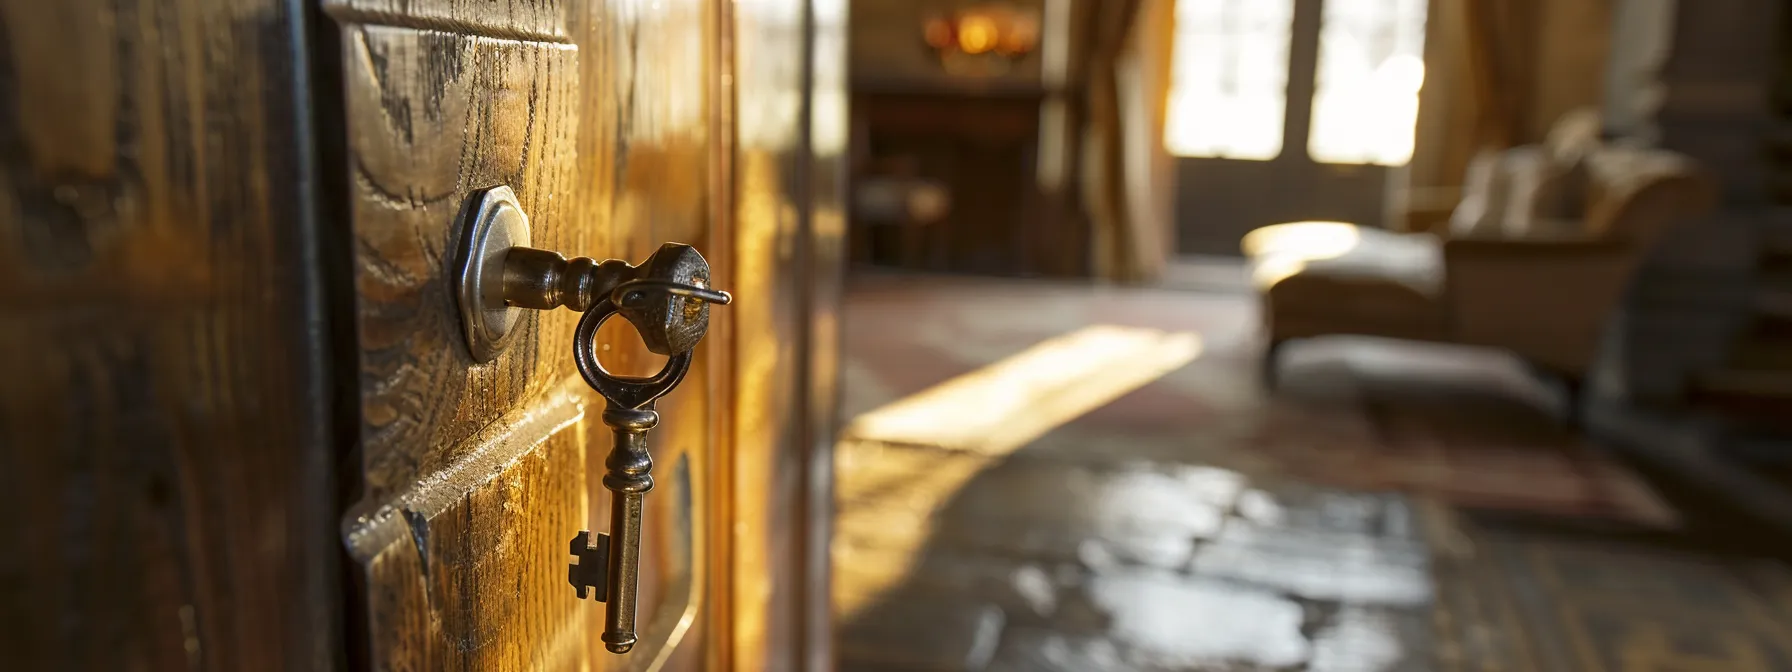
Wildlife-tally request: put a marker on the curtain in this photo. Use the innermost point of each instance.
(1126, 176)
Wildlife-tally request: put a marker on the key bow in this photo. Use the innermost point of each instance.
(631, 391)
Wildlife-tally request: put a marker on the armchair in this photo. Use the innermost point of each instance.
(1517, 271)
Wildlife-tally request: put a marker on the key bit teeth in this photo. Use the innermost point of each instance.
(592, 569)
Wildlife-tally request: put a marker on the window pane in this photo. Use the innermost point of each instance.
(1229, 80)
(1371, 63)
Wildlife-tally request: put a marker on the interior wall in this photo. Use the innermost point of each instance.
(1701, 85)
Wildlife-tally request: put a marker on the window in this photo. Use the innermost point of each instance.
(1366, 99)
(1229, 80)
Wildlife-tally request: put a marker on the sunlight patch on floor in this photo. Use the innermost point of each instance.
(979, 417)
(1008, 404)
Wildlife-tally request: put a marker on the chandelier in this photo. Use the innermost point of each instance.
(982, 40)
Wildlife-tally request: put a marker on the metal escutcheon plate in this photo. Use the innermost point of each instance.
(491, 222)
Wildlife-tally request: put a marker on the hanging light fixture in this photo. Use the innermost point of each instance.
(982, 40)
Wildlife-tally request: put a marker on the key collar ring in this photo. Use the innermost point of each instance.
(621, 391)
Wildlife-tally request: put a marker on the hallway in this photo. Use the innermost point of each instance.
(1043, 476)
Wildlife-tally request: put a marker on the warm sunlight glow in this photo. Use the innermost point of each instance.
(1371, 65)
(1312, 240)
(1229, 78)
(1005, 405)
(979, 417)
(1284, 249)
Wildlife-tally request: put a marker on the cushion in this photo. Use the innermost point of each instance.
(1549, 185)
(1575, 134)
(1482, 210)
(1548, 194)
(1333, 277)
(1559, 205)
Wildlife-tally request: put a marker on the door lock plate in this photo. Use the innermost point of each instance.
(492, 222)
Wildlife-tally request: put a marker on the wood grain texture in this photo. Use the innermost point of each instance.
(165, 474)
(468, 570)
(433, 117)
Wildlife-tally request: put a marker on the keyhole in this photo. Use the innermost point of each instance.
(620, 350)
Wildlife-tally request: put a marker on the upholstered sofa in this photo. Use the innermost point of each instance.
(1535, 260)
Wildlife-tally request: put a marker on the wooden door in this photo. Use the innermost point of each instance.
(239, 429)
(619, 125)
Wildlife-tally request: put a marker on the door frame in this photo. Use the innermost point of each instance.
(793, 574)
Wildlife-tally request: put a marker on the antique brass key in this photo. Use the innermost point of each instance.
(612, 565)
(666, 298)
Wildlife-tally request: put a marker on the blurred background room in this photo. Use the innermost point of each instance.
(1316, 335)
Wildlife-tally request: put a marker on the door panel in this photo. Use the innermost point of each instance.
(432, 117)
(461, 572)
(473, 477)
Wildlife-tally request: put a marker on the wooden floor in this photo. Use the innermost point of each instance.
(1054, 476)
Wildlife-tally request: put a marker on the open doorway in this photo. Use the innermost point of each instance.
(1284, 110)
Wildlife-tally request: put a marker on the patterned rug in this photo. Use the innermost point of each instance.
(1533, 595)
(1464, 427)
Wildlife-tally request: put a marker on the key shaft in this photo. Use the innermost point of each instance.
(628, 476)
